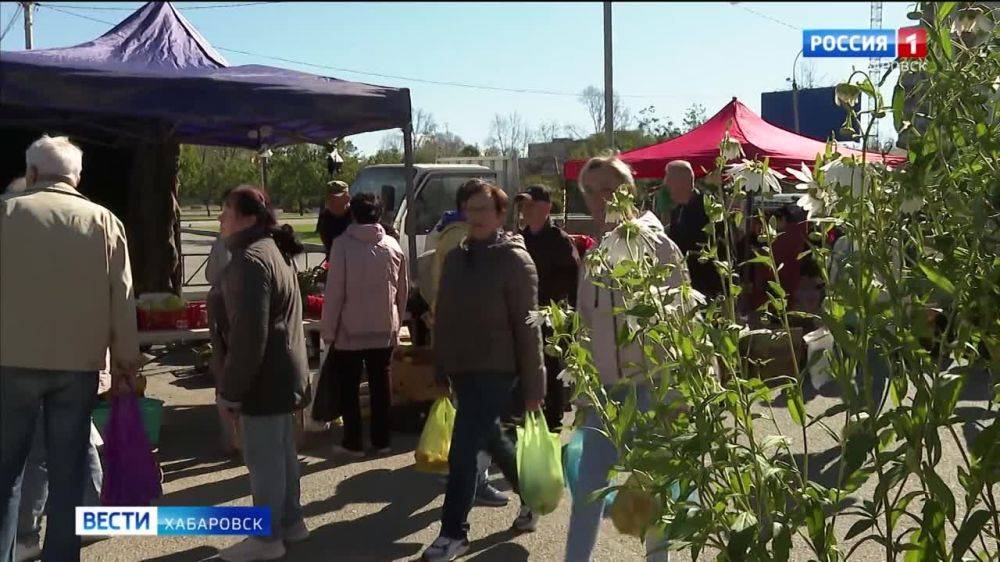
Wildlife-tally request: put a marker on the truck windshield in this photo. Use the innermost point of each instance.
(438, 196)
(371, 180)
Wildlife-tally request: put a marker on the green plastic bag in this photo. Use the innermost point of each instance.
(435, 439)
(539, 465)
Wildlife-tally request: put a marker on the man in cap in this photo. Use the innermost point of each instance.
(334, 218)
(558, 265)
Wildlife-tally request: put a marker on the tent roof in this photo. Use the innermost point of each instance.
(700, 146)
(155, 65)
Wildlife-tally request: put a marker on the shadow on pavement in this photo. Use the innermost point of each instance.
(193, 555)
(497, 548)
(374, 536)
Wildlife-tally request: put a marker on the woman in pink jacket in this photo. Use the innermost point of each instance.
(366, 292)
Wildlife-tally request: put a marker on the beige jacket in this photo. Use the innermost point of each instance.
(597, 307)
(66, 288)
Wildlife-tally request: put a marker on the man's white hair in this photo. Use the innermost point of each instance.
(55, 157)
(17, 185)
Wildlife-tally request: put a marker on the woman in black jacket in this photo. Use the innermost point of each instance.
(265, 375)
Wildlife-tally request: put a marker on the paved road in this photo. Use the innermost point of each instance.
(382, 509)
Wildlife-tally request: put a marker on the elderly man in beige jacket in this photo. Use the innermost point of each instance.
(66, 296)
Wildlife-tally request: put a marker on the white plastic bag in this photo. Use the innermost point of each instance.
(819, 342)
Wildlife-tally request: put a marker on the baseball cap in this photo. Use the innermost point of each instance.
(337, 187)
(535, 193)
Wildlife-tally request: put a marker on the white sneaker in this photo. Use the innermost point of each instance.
(527, 520)
(28, 550)
(252, 549)
(444, 549)
(297, 532)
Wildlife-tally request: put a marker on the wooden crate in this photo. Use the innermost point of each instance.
(413, 377)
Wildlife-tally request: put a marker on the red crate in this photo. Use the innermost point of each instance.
(314, 307)
(162, 319)
(197, 314)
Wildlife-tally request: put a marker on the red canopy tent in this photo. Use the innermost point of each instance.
(700, 146)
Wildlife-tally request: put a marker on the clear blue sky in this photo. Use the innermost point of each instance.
(665, 54)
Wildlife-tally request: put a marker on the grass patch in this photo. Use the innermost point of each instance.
(306, 232)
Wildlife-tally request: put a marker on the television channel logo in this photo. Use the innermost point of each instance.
(173, 521)
(905, 43)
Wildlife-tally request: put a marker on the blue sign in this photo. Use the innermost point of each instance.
(819, 116)
(172, 521)
(860, 43)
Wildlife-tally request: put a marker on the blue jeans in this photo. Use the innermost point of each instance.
(269, 452)
(482, 399)
(64, 399)
(35, 485)
(599, 455)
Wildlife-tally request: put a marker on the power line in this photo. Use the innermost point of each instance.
(382, 75)
(182, 8)
(765, 16)
(10, 23)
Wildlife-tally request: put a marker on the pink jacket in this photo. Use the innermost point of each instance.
(366, 290)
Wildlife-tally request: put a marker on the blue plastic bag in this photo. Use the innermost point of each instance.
(131, 474)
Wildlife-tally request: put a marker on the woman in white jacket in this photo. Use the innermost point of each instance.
(599, 180)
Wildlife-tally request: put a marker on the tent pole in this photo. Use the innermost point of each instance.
(411, 234)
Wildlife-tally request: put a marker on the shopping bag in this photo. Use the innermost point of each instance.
(326, 405)
(435, 439)
(131, 474)
(539, 464)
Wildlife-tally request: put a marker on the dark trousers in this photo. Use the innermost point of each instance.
(64, 399)
(348, 366)
(555, 394)
(482, 399)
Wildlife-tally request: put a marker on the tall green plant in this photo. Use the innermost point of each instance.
(921, 241)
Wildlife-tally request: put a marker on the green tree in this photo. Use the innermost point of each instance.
(694, 116)
(206, 172)
(470, 150)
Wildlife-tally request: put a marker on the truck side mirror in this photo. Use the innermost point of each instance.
(388, 199)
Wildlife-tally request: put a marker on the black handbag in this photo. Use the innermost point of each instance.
(327, 406)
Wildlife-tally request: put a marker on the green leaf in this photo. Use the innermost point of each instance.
(985, 451)
(740, 541)
(938, 279)
(943, 9)
(858, 528)
(796, 408)
(971, 529)
(860, 441)
(944, 38)
(781, 546)
(898, 100)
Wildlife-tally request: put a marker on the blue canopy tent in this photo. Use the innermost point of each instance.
(132, 95)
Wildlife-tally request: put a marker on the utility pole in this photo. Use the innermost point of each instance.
(609, 97)
(29, 8)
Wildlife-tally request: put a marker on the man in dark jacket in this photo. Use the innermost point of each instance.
(687, 226)
(558, 266)
(334, 218)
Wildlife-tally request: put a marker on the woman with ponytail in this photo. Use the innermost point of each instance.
(265, 374)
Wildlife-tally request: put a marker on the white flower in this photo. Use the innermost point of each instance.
(730, 149)
(538, 318)
(755, 176)
(613, 216)
(972, 21)
(912, 205)
(812, 205)
(567, 376)
(627, 241)
(846, 172)
(805, 177)
(847, 95)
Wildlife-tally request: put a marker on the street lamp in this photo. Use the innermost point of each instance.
(795, 92)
